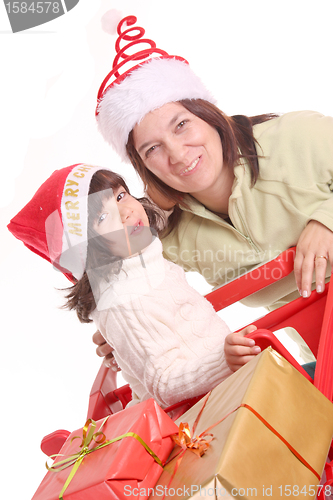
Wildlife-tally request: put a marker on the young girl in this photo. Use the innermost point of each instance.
(168, 340)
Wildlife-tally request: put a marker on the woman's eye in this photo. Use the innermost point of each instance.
(181, 124)
(150, 150)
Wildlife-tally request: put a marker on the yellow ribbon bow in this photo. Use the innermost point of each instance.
(89, 435)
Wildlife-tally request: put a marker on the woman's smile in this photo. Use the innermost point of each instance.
(190, 169)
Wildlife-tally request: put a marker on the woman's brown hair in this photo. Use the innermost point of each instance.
(81, 297)
(237, 139)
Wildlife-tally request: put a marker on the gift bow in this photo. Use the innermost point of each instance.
(197, 444)
(88, 435)
(186, 439)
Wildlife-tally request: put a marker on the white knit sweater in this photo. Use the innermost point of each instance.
(168, 340)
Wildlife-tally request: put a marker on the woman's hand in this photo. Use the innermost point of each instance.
(239, 349)
(105, 350)
(314, 251)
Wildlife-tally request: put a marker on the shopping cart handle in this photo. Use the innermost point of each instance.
(264, 338)
(253, 281)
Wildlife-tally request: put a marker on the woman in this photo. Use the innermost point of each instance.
(241, 189)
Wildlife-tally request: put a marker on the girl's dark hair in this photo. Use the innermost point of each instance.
(237, 139)
(81, 297)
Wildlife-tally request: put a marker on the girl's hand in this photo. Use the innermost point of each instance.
(314, 252)
(105, 350)
(238, 349)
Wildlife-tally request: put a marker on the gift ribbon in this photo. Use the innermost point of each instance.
(88, 435)
(291, 448)
(199, 444)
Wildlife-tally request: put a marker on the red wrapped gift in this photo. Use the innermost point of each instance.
(127, 467)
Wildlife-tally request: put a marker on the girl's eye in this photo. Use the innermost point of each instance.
(121, 195)
(101, 218)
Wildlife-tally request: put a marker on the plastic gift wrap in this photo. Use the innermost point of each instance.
(112, 458)
(271, 431)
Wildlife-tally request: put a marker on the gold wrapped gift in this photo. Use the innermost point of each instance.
(275, 445)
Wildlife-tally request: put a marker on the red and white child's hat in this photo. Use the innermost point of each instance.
(124, 99)
(54, 224)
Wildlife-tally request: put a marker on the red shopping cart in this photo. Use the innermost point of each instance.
(311, 317)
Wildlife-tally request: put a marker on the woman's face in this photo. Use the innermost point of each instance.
(124, 224)
(182, 150)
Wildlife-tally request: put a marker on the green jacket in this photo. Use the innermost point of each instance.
(295, 185)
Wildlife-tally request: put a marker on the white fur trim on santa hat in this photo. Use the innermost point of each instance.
(72, 227)
(150, 86)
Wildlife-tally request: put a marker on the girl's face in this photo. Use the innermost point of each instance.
(124, 224)
(182, 150)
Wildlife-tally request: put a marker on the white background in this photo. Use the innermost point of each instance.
(255, 56)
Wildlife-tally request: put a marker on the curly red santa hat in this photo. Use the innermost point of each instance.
(157, 80)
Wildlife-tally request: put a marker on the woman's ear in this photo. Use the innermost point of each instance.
(159, 199)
